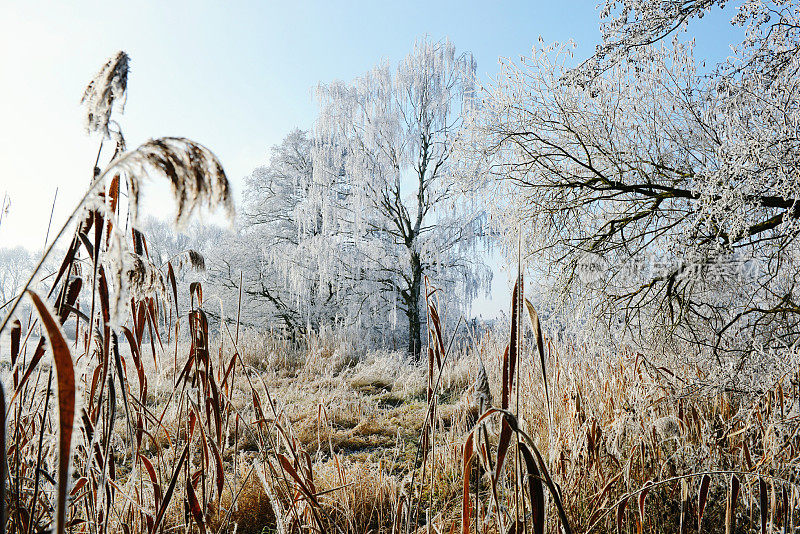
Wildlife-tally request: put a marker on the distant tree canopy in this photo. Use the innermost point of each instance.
(272, 254)
(344, 225)
(15, 266)
(653, 195)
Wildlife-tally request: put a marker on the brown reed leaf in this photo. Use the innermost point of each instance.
(220, 470)
(536, 490)
(137, 360)
(537, 330)
(762, 497)
(287, 466)
(599, 500)
(102, 291)
(174, 285)
(69, 257)
(702, 499)
(502, 446)
(151, 473)
(555, 493)
(620, 514)
(748, 460)
(64, 308)
(509, 364)
(466, 511)
(642, 496)
(513, 346)
(730, 510)
(37, 356)
(194, 506)
(196, 288)
(168, 495)
(65, 375)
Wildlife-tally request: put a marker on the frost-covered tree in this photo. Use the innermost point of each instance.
(654, 195)
(182, 247)
(383, 186)
(278, 253)
(16, 265)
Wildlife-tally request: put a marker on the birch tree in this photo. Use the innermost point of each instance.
(387, 138)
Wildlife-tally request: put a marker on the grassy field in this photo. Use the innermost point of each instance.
(261, 435)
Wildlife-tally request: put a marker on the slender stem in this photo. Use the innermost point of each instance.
(39, 453)
(50, 222)
(239, 310)
(99, 180)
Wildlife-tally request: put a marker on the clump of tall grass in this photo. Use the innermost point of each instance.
(620, 442)
(92, 378)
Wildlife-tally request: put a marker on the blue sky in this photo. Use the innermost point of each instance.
(235, 76)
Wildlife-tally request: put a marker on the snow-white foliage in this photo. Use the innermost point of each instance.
(278, 249)
(653, 194)
(342, 226)
(16, 265)
(165, 244)
(383, 188)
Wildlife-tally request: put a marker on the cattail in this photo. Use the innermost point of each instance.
(143, 278)
(194, 172)
(482, 394)
(194, 259)
(108, 87)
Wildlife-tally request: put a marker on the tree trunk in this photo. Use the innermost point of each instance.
(412, 308)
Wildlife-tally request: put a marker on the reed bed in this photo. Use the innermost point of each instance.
(151, 421)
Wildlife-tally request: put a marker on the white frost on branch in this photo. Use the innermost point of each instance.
(683, 185)
(344, 226)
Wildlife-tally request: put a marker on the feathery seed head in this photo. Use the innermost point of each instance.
(194, 172)
(143, 278)
(131, 277)
(108, 87)
(194, 259)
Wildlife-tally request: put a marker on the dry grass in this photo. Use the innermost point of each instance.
(351, 427)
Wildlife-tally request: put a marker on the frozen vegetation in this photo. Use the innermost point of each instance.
(310, 368)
